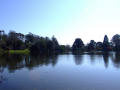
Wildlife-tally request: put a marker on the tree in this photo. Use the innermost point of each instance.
(65, 48)
(116, 42)
(49, 44)
(1, 34)
(99, 46)
(78, 45)
(45, 45)
(39, 46)
(106, 45)
(31, 39)
(91, 46)
(3, 41)
(15, 41)
(55, 44)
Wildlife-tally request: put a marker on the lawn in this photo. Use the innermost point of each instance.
(26, 51)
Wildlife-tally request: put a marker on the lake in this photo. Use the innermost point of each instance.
(60, 72)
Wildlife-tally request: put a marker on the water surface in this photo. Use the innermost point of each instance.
(60, 72)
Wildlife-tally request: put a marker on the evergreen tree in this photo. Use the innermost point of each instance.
(106, 45)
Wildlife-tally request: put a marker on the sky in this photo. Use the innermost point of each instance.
(65, 19)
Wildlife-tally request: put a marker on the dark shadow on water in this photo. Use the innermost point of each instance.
(11, 62)
(106, 59)
(16, 62)
(116, 60)
(114, 57)
(92, 58)
(78, 59)
(41, 60)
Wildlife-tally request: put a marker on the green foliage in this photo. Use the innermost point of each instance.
(26, 51)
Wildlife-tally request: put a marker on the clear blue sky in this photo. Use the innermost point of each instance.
(66, 19)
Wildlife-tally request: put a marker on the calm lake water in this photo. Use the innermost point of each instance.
(60, 72)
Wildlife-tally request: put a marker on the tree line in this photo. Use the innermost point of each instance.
(35, 43)
(39, 44)
(106, 45)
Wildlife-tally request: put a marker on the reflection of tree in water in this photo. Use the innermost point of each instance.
(2, 78)
(78, 59)
(54, 59)
(106, 59)
(10, 61)
(15, 62)
(34, 61)
(92, 58)
(116, 60)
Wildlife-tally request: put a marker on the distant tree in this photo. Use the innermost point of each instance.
(106, 39)
(91, 46)
(78, 45)
(31, 39)
(99, 46)
(45, 45)
(68, 48)
(3, 39)
(116, 39)
(111, 46)
(65, 48)
(55, 44)
(39, 46)
(1, 34)
(116, 42)
(106, 45)
(49, 44)
(20, 36)
(14, 41)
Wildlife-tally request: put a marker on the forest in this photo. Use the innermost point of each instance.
(14, 42)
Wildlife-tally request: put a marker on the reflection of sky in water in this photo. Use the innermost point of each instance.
(64, 72)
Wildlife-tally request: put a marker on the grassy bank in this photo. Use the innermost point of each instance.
(26, 51)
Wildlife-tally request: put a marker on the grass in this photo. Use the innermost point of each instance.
(26, 51)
